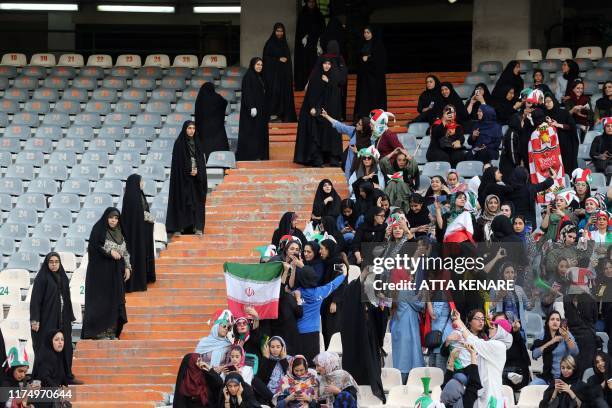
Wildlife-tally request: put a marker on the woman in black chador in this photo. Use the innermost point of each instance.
(317, 142)
(310, 25)
(109, 266)
(51, 306)
(278, 75)
(188, 184)
(138, 230)
(210, 120)
(253, 137)
(371, 82)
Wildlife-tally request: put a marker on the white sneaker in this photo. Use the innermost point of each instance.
(515, 378)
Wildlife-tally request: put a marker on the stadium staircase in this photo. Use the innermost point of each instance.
(241, 213)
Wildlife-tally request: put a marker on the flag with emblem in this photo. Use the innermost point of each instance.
(256, 285)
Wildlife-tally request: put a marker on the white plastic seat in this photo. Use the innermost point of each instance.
(391, 377)
(214, 60)
(531, 396)
(414, 378)
(560, 53)
(128, 60)
(184, 60)
(157, 60)
(43, 60)
(100, 60)
(366, 398)
(405, 395)
(71, 60)
(531, 54)
(68, 261)
(335, 344)
(14, 59)
(21, 277)
(19, 311)
(159, 233)
(590, 52)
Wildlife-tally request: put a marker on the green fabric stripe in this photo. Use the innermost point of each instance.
(262, 272)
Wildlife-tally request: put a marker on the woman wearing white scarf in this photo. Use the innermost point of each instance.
(333, 380)
(216, 344)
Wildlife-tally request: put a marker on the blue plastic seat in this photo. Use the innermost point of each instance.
(77, 246)
(138, 145)
(103, 144)
(78, 186)
(113, 187)
(163, 95)
(37, 245)
(8, 144)
(14, 231)
(231, 83)
(177, 119)
(21, 171)
(9, 106)
(86, 171)
(7, 245)
(70, 201)
(176, 83)
(115, 83)
(98, 200)
(158, 107)
(185, 107)
(43, 185)
(37, 107)
(142, 132)
(68, 159)
(150, 72)
(26, 119)
(89, 215)
(112, 132)
(36, 159)
(85, 82)
(62, 216)
(16, 94)
(182, 72)
(70, 145)
(150, 187)
(169, 132)
(127, 158)
(34, 71)
(208, 71)
(63, 72)
(46, 94)
(118, 171)
(57, 119)
(55, 82)
(75, 94)
(118, 119)
(6, 159)
(105, 95)
(101, 108)
(79, 231)
(122, 71)
(35, 201)
(154, 171)
(8, 71)
(44, 137)
(92, 71)
(147, 84)
(67, 106)
(127, 107)
(88, 119)
(18, 132)
(134, 95)
(80, 132)
(24, 260)
(55, 171)
(149, 119)
(53, 231)
(25, 82)
(159, 157)
(95, 157)
(190, 94)
(27, 216)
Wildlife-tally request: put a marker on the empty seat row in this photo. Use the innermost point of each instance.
(562, 53)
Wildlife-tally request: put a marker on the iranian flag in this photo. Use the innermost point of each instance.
(461, 229)
(256, 285)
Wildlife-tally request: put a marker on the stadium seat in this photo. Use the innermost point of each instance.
(98, 200)
(10, 295)
(531, 54)
(57, 119)
(27, 216)
(127, 107)
(391, 377)
(157, 60)
(8, 144)
(89, 216)
(21, 171)
(104, 144)
(100, 60)
(600, 75)
(591, 87)
(76, 186)
(8, 71)
(61, 216)
(92, 120)
(181, 72)
(79, 231)
(37, 107)
(53, 231)
(37, 245)
(14, 231)
(220, 159)
(150, 72)
(71, 60)
(127, 158)
(75, 245)
(490, 67)
(228, 94)
(4, 83)
(63, 72)
(559, 53)
(70, 145)
(134, 95)
(15, 94)
(34, 72)
(154, 171)
(111, 132)
(74, 95)
(137, 145)
(85, 82)
(46, 94)
(159, 157)
(177, 119)
(605, 63)
(366, 398)
(43, 60)
(534, 327)
(128, 60)
(118, 119)
(145, 132)
(7, 246)
(531, 396)
(109, 186)
(95, 157)
(14, 60)
(9, 106)
(191, 94)
(105, 95)
(550, 65)
(231, 83)
(163, 95)
(159, 233)
(6, 159)
(118, 171)
(24, 260)
(122, 72)
(116, 83)
(436, 169)
(404, 395)
(183, 60)
(584, 64)
(102, 108)
(598, 180)
(176, 83)
(208, 71)
(159, 107)
(604, 340)
(168, 132)
(469, 168)
(90, 172)
(214, 60)
(590, 52)
(26, 82)
(57, 172)
(26, 118)
(43, 185)
(35, 201)
(150, 187)
(36, 159)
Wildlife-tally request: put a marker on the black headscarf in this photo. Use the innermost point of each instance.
(488, 177)
(486, 95)
(508, 79)
(190, 382)
(538, 117)
(136, 201)
(210, 119)
(251, 71)
(571, 75)
(453, 99)
(429, 95)
(351, 219)
(114, 234)
(285, 226)
(248, 398)
(49, 365)
(604, 104)
(547, 355)
(278, 76)
(504, 108)
(61, 279)
(503, 230)
(319, 208)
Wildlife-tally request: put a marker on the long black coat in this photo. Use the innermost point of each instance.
(187, 196)
(253, 138)
(371, 81)
(49, 366)
(278, 77)
(309, 23)
(210, 120)
(210, 378)
(45, 308)
(104, 285)
(138, 236)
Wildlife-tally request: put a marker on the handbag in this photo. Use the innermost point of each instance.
(433, 339)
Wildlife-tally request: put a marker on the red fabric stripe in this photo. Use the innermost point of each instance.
(266, 311)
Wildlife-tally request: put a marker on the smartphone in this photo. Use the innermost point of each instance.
(338, 268)
(477, 92)
(231, 368)
(564, 323)
(431, 104)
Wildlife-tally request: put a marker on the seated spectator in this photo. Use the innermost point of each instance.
(298, 387)
(490, 210)
(237, 393)
(570, 72)
(450, 97)
(452, 180)
(601, 149)
(567, 391)
(507, 209)
(556, 343)
(538, 81)
(349, 220)
(336, 387)
(367, 170)
(461, 391)
(274, 363)
(288, 226)
(427, 100)
(235, 362)
(447, 140)
(330, 231)
(600, 383)
(197, 384)
(579, 106)
(525, 276)
(507, 104)
(326, 202)
(215, 346)
(401, 173)
(15, 376)
(509, 78)
(600, 235)
(513, 304)
(385, 140)
(480, 96)
(603, 106)
(49, 366)
(247, 333)
(458, 203)
(372, 230)
(556, 217)
(565, 126)
(366, 198)
(418, 216)
(486, 136)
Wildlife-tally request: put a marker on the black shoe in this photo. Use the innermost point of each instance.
(75, 381)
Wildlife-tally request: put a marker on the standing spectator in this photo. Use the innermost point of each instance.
(331, 308)
(188, 184)
(566, 130)
(109, 266)
(51, 307)
(210, 120)
(570, 72)
(278, 76)
(510, 77)
(138, 230)
(310, 25)
(371, 81)
(579, 106)
(253, 137)
(506, 104)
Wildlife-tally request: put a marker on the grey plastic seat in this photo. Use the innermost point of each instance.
(191, 93)
(95, 157)
(408, 141)
(86, 171)
(221, 159)
(208, 71)
(550, 65)
(118, 171)
(6, 159)
(101, 108)
(88, 119)
(228, 94)
(62, 216)
(9, 105)
(161, 200)
(55, 82)
(605, 63)
(113, 187)
(36, 159)
(67, 106)
(17, 132)
(14, 231)
(127, 158)
(127, 107)
(36, 107)
(598, 180)
(77, 246)
(163, 95)
(164, 145)
(79, 231)
(490, 67)
(154, 171)
(474, 78)
(78, 186)
(235, 71)
(75, 94)
(80, 132)
(159, 157)
(35, 201)
(70, 145)
(142, 132)
(4, 83)
(57, 172)
(89, 215)
(34, 71)
(37, 245)
(70, 201)
(8, 71)
(67, 159)
(177, 119)
(24, 260)
(118, 119)
(122, 71)
(43, 138)
(182, 72)
(46, 94)
(150, 187)
(98, 200)
(150, 72)
(16, 94)
(436, 169)
(63, 72)
(53, 231)
(25, 119)
(584, 64)
(57, 119)
(469, 168)
(158, 107)
(169, 132)
(134, 95)
(185, 107)
(159, 214)
(138, 145)
(43, 185)
(172, 82)
(103, 145)
(111, 132)
(105, 95)
(149, 119)
(591, 87)
(115, 83)
(21, 171)
(25, 82)
(25, 215)
(598, 75)
(85, 82)
(10, 145)
(231, 83)
(7, 246)
(147, 84)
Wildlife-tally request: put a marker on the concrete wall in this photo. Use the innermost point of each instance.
(256, 22)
